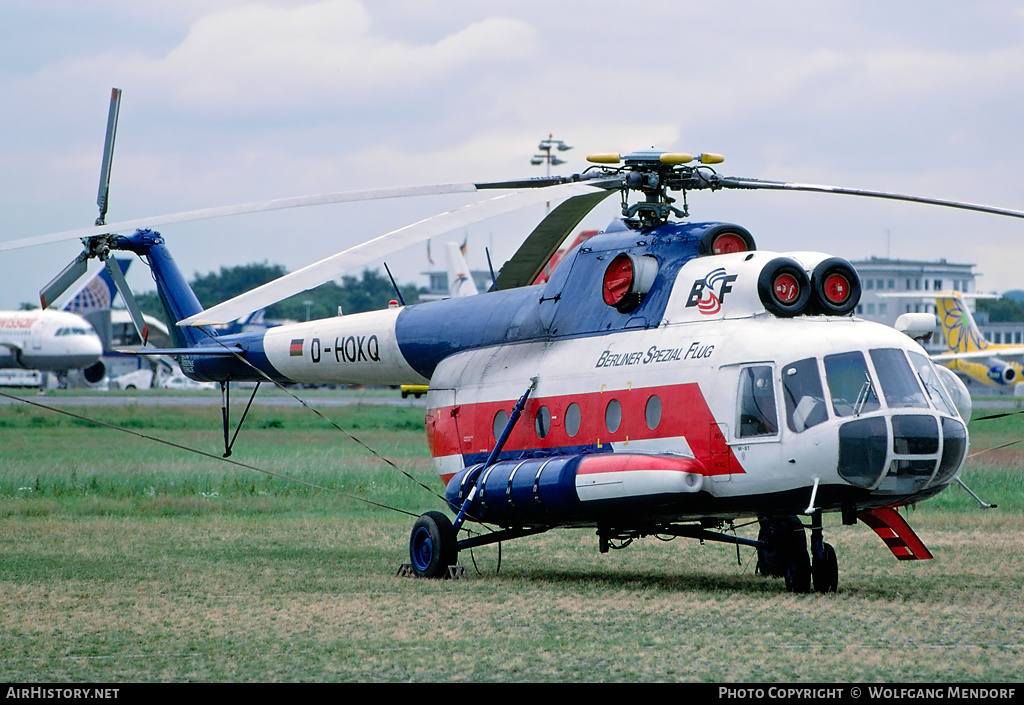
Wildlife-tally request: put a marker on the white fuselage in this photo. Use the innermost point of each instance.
(674, 390)
(807, 408)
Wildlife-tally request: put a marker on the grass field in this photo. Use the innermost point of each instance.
(123, 560)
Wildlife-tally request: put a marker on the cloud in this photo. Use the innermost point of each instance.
(235, 100)
(266, 61)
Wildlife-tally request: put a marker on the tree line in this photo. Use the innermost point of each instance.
(1005, 310)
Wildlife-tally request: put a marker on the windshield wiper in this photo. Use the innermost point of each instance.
(862, 395)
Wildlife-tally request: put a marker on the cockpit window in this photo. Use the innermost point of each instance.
(850, 383)
(805, 400)
(75, 330)
(899, 383)
(932, 384)
(758, 415)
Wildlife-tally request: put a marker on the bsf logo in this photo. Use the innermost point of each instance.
(708, 293)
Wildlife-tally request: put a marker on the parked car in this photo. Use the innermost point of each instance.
(137, 379)
(183, 382)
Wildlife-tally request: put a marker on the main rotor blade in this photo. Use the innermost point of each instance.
(598, 179)
(252, 207)
(742, 182)
(536, 251)
(365, 253)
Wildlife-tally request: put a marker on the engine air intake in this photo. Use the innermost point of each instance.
(783, 287)
(626, 280)
(836, 287)
(725, 240)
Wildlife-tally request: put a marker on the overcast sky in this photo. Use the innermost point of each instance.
(231, 101)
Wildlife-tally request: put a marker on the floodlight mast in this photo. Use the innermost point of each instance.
(546, 157)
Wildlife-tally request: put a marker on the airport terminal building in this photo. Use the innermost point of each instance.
(891, 287)
(895, 286)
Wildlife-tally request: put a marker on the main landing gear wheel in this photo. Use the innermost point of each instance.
(784, 552)
(825, 570)
(433, 545)
(798, 570)
(771, 555)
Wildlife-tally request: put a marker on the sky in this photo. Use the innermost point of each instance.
(231, 101)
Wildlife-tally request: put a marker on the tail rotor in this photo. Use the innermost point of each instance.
(99, 246)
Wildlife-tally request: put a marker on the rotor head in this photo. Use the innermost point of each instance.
(654, 173)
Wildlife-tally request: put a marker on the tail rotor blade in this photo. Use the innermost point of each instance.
(60, 283)
(108, 154)
(129, 298)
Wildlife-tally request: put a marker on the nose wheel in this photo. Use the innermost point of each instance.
(825, 569)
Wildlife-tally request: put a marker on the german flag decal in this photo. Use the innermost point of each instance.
(295, 349)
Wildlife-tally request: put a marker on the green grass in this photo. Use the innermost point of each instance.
(308, 464)
(125, 561)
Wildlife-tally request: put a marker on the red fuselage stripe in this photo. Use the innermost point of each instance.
(467, 429)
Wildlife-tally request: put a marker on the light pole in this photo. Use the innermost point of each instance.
(545, 156)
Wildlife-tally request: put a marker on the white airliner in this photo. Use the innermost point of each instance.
(47, 340)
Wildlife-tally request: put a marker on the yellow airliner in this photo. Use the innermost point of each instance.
(968, 351)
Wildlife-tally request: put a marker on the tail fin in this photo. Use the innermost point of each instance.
(460, 282)
(959, 330)
(97, 293)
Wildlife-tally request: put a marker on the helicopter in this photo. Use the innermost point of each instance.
(668, 379)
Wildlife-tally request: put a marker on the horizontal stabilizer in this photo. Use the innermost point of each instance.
(205, 350)
(892, 528)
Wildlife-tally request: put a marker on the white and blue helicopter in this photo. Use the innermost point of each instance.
(669, 378)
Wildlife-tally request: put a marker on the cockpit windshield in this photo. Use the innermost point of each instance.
(932, 384)
(853, 392)
(899, 382)
(72, 330)
(856, 389)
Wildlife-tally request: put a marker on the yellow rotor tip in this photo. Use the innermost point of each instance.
(604, 158)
